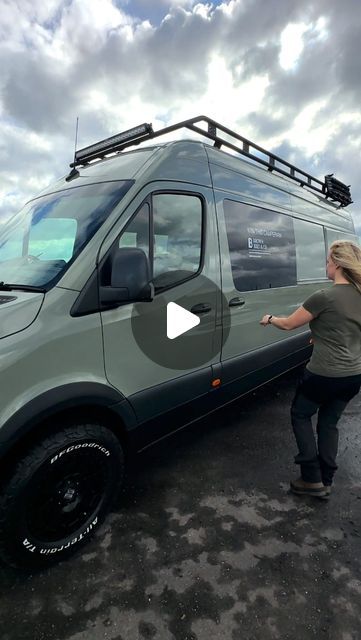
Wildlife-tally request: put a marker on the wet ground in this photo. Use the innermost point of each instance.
(208, 544)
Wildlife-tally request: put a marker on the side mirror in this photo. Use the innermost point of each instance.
(129, 278)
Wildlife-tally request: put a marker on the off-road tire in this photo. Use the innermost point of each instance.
(58, 493)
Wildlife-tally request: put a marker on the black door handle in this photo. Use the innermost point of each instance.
(201, 308)
(236, 302)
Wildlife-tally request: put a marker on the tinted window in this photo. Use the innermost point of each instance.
(137, 231)
(177, 236)
(310, 250)
(333, 235)
(261, 245)
(39, 243)
(177, 220)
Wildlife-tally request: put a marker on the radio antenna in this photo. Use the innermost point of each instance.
(76, 135)
(74, 173)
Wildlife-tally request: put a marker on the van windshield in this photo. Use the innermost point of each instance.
(39, 243)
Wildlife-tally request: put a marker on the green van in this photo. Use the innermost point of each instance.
(130, 298)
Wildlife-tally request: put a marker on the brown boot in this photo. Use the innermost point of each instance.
(301, 487)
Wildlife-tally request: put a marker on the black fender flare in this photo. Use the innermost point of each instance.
(59, 399)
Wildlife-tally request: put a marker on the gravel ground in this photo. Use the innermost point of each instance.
(208, 544)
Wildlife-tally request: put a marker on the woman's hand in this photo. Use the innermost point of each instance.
(297, 319)
(265, 318)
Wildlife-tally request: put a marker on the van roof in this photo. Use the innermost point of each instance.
(331, 188)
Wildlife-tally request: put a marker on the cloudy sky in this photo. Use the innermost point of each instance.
(284, 73)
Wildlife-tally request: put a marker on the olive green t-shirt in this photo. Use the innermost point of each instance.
(336, 331)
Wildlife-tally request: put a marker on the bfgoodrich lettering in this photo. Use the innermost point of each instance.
(73, 447)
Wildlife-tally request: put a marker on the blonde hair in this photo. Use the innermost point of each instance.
(347, 255)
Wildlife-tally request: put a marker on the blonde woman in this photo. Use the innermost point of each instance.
(333, 375)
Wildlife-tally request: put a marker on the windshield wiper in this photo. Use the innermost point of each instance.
(20, 287)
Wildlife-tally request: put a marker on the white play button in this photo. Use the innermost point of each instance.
(179, 320)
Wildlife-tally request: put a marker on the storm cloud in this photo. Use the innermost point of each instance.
(284, 74)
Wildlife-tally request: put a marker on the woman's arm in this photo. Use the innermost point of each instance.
(295, 320)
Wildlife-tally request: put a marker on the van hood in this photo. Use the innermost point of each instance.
(18, 309)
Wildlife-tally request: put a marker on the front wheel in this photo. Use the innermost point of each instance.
(58, 494)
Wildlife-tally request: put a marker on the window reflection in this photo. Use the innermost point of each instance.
(261, 245)
(41, 241)
(177, 220)
(333, 235)
(310, 250)
(137, 232)
(177, 239)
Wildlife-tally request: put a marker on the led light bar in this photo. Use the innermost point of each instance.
(337, 190)
(108, 145)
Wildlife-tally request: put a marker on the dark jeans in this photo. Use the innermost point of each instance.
(328, 396)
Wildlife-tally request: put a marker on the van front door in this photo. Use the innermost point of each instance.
(177, 230)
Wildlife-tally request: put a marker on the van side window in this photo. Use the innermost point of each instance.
(136, 233)
(332, 235)
(177, 237)
(177, 222)
(261, 247)
(310, 250)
